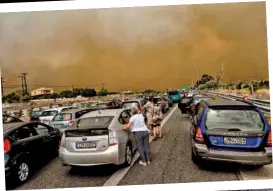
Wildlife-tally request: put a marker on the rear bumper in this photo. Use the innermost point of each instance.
(109, 156)
(247, 158)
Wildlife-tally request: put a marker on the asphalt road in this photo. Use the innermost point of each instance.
(172, 160)
(171, 164)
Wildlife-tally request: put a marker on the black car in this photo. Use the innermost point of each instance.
(25, 144)
(184, 104)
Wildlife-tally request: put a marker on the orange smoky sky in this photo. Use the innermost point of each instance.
(134, 48)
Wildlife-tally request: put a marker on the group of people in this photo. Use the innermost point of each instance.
(141, 131)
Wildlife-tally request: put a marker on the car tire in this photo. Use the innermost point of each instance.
(195, 159)
(22, 171)
(128, 156)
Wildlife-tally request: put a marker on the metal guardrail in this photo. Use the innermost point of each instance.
(264, 105)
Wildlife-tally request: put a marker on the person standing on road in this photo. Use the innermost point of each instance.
(157, 118)
(149, 108)
(141, 134)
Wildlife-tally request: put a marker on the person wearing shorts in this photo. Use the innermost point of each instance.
(149, 107)
(157, 118)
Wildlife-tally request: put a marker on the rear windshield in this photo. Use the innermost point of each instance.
(49, 113)
(129, 104)
(198, 99)
(63, 117)
(241, 120)
(95, 122)
(173, 92)
(186, 100)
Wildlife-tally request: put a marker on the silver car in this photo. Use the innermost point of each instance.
(65, 119)
(98, 138)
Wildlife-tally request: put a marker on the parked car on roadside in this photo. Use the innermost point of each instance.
(65, 119)
(195, 100)
(48, 115)
(168, 100)
(139, 102)
(163, 104)
(230, 131)
(25, 144)
(8, 119)
(98, 138)
(184, 104)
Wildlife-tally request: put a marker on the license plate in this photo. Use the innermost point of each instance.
(86, 145)
(234, 141)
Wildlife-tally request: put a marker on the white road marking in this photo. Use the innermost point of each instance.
(119, 174)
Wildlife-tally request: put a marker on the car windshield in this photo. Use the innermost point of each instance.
(129, 104)
(63, 117)
(96, 122)
(49, 113)
(196, 100)
(173, 93)
(242, 120)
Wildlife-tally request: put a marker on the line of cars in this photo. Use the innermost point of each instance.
(80, 136)
(227, 131)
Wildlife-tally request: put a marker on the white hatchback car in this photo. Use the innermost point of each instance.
(98, 138)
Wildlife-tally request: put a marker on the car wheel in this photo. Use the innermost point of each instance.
(128, 155)
(195, 159)
(22, 171)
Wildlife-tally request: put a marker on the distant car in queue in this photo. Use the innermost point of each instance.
(195, 100)
(174, 95)
(230, 131)
(8, 119)
(97, 138)
(184, 104)
(139, 102)
(108, 105)
(49, 114)
(25, 144)
(35, 115)
(168, 100)
(63, 120)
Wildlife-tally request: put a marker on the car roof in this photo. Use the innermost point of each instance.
(104, 112)
(58, 108)
(132, 100)
(212, 103)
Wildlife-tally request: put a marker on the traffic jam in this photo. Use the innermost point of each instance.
(91, 133)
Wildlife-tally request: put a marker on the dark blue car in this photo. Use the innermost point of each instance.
(230, 131)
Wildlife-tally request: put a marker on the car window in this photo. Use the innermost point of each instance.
(49, 113)
(94, 122)
(129, 104)
(81, 113)
(63, 117)
(196, 100)
(199, 112)
(41, 129)
(243, 120)
(23, 132)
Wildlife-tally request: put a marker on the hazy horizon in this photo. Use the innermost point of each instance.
(134, 48)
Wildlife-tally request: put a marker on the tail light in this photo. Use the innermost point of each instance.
(192, 107)
(7, 146)
(62, 142)
(269, 139)
(199, 136)
(112, 138)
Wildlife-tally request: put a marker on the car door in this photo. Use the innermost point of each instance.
(197, 118)
(131, 135)
(26, 142)
(49, 136)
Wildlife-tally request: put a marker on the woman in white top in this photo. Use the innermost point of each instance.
(141, 134)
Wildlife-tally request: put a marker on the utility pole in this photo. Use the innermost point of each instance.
(24, 83)
(2, 89)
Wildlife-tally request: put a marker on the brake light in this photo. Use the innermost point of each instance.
(7, 146)
(112, 138)
(199, 136)
(62, 142)
(269, 139)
